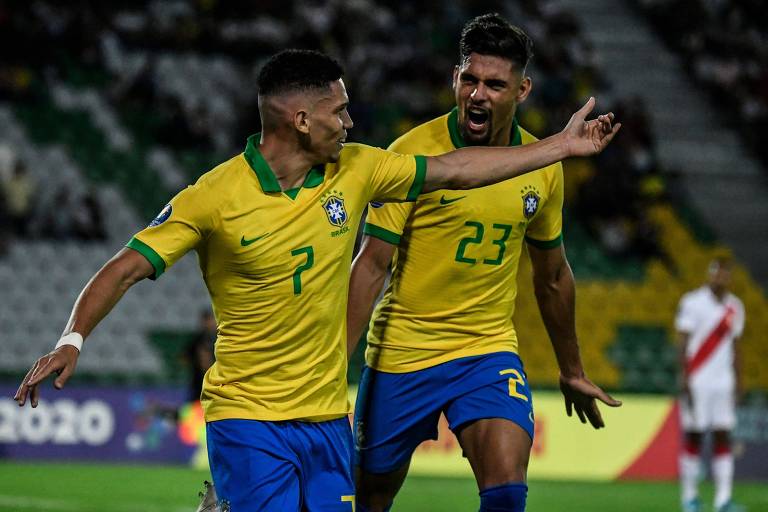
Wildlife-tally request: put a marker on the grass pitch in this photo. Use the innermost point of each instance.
(36, 487)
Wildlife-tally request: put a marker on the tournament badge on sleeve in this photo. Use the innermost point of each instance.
(162, 216)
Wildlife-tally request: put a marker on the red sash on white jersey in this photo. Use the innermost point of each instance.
(711, 342)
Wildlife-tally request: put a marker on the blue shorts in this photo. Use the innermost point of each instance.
(282, 466)
(395, 412)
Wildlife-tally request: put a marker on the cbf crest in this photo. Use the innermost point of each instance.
(531, 200)
(333, 204)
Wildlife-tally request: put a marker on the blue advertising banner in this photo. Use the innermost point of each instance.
(105, 424)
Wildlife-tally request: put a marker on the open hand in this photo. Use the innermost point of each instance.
(580, 394)
(62, 361)
(586, 138)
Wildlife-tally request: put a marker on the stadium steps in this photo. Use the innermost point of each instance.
(40, 280)
(614, 317)
(725, 183)
(648, 362)
(45, 123)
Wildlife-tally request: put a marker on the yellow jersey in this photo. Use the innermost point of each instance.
(276, 264)
(454, 273)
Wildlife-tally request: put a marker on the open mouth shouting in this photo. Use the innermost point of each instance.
(478, 120)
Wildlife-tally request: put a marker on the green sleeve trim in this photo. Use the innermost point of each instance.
(157, 262)
(418, 180)
(382, 234)
(546, 244)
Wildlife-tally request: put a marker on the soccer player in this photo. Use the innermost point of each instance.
(709, 322)
(273, 229)
(442, 338)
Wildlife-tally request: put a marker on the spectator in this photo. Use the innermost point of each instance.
(19, 192)
(4, 227)
(86, 221)
(56, 216)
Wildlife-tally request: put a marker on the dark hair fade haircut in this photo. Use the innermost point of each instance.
(297, 70)
(491, 34)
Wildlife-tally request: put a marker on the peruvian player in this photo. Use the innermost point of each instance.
(709, 322)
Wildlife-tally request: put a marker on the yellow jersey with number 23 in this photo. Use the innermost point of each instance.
(454, 273)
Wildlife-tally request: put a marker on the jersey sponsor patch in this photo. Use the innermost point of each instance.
(531, 200)
(162, 216)
(333, 204)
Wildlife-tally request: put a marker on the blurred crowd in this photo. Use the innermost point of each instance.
(725, 47)
(188, 68)
(64, 217)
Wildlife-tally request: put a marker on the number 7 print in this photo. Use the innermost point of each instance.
(301, 268)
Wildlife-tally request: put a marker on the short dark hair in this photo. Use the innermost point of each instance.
(297, 70)
(491, 34)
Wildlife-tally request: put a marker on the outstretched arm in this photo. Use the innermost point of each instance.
(480, 166)
(555, 293)
(368, 273)
(98, 297)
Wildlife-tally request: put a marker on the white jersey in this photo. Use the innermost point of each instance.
(712, 326)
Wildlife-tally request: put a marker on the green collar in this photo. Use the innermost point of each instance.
(267, 179)
(458, 141)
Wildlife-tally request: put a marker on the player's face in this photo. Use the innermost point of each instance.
(329, 122)
(719, 276)
(488, 90)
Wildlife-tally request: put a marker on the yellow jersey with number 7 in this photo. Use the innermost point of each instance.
(276, 264)
(454, 274)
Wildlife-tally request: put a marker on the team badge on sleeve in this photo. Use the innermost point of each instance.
(531, 201)
(162, 216)
(333, 204)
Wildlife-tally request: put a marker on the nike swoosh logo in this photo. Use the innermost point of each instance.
(246, 243)
(443, 200)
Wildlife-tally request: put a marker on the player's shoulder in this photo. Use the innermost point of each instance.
(357, 162)
(689, 297)
(429, 138)
(225, 175)
(696, 293)
(217, 186)
(526, 137)
(735, 300)
(357, 150)
(356, 159)
(697, 296)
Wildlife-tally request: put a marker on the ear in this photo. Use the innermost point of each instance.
(301, 121)
(526, 85)
(455, 76)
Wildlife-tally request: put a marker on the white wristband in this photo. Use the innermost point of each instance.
(73, 338)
